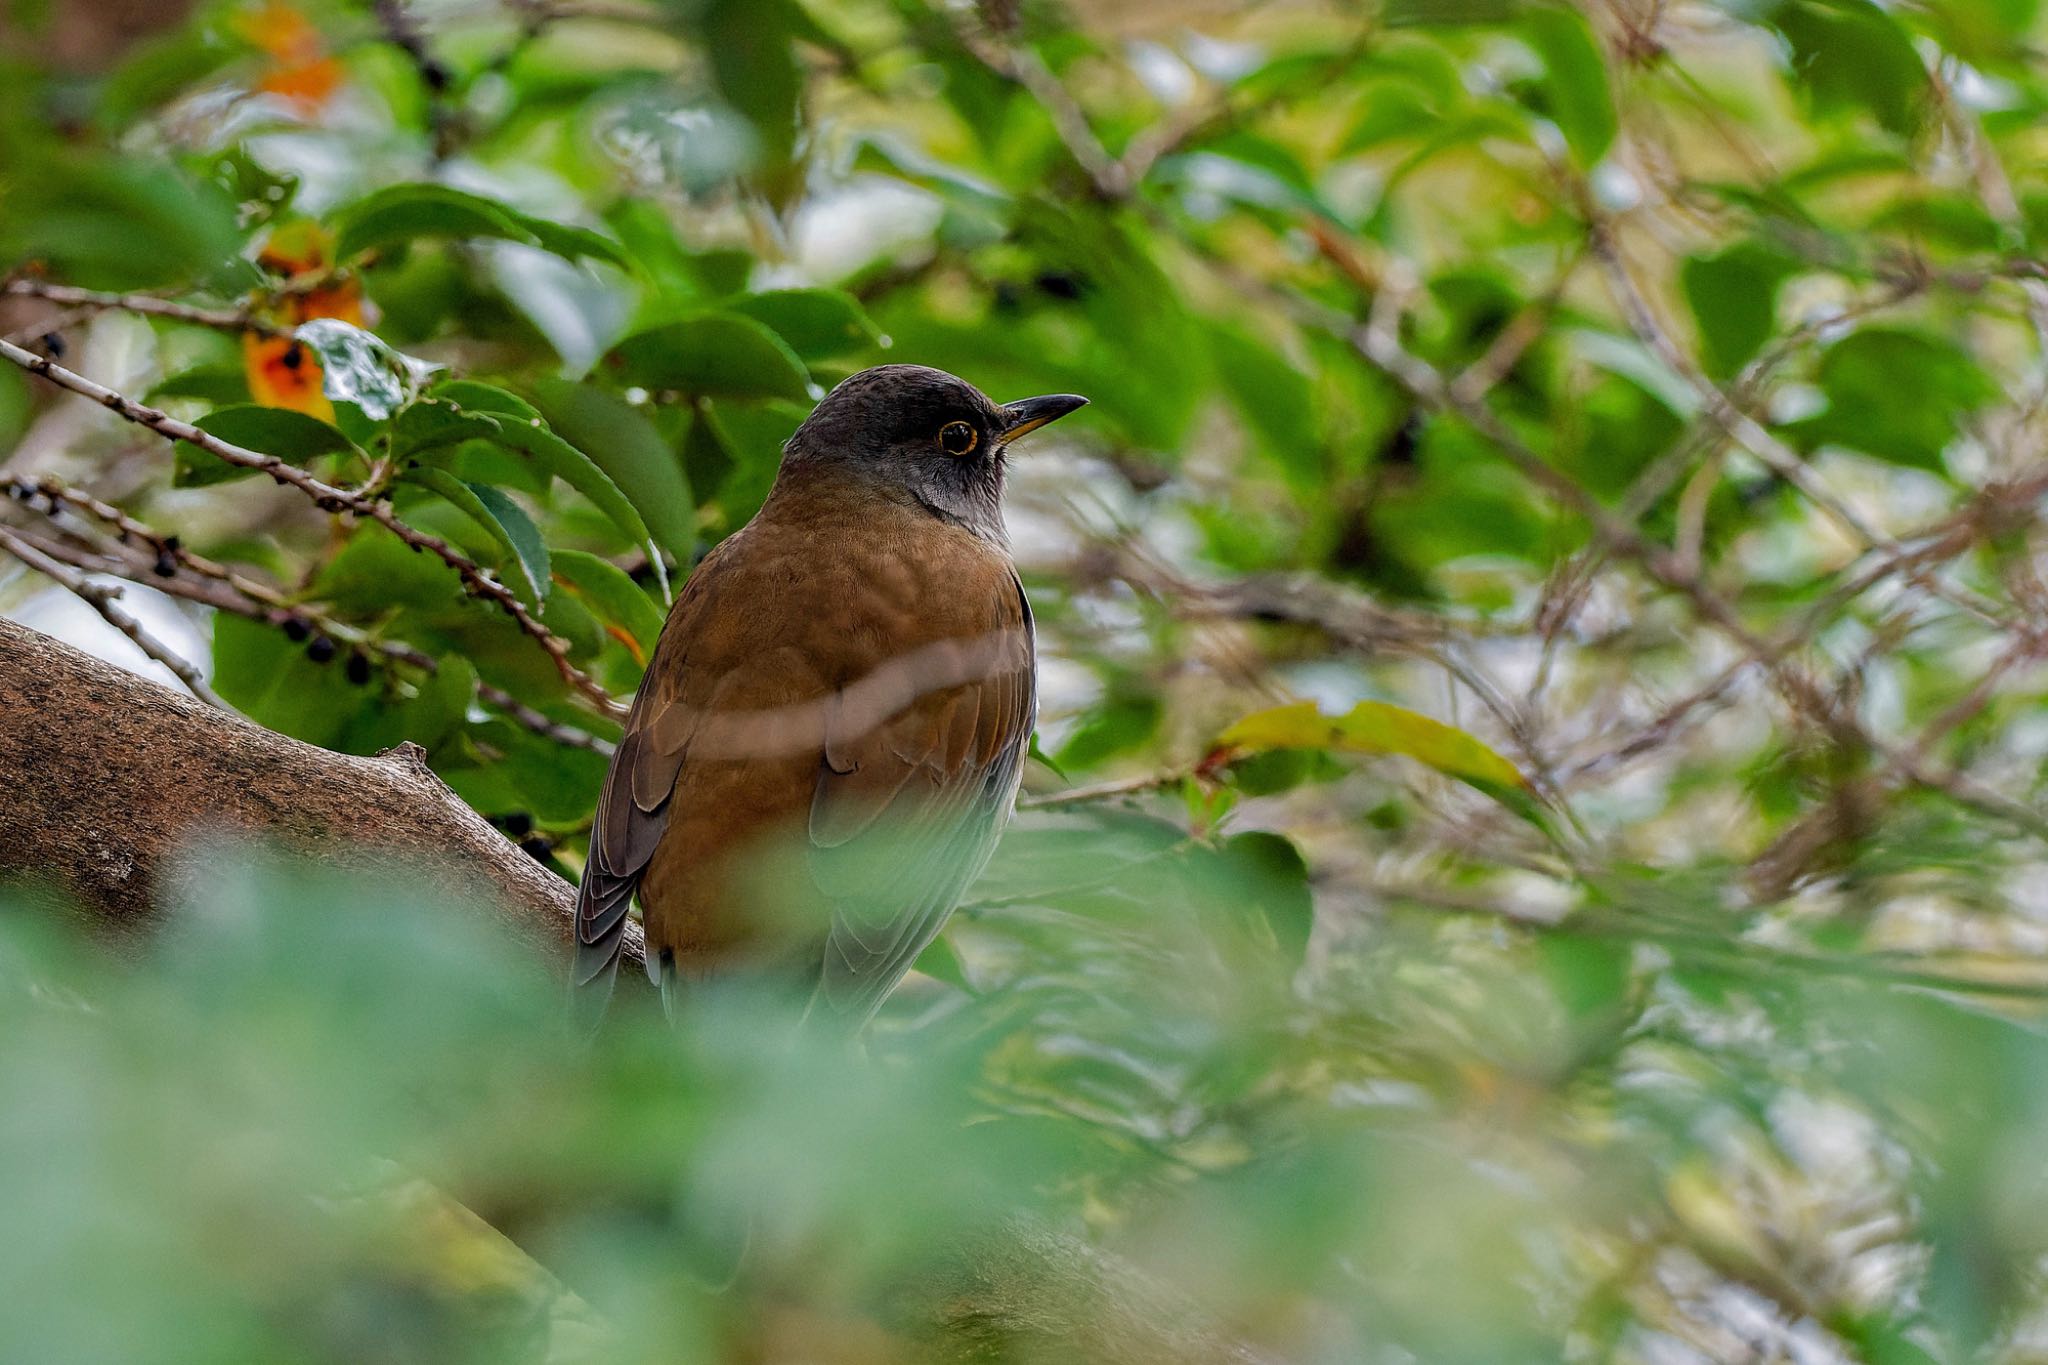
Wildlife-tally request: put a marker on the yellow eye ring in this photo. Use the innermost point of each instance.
(958, 438)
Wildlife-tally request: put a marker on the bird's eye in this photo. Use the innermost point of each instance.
(958, 438)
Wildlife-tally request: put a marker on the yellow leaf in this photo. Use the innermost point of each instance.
(1373, 727)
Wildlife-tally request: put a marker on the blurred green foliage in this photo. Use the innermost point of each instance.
(1630, 949)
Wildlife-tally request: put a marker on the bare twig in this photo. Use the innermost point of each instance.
(537, 721)
(1115, 789)
(1110, 179)
(1379, 342)
(149, 305)
(1724, 411)
(143, 555)
(104, 599)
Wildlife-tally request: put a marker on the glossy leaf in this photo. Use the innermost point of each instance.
(607, 590)
(402, 213)
(520, 427)
(623, 443)
(358, 367)
(712, 355)
(503, 520)
(817, 323)
(292, 436)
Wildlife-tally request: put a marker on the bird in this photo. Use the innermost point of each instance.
(832, 728)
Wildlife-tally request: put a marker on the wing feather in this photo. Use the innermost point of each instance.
(905, 816)
(632, 809)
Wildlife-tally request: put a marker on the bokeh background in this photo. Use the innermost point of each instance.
(1536, 847)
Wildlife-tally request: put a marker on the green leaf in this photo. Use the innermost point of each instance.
(612, 594)
(158, 69)
(524, 771)
(500, 518)
(401, 213)
(432, 422)
(714, 355)
(1117, 726)
(1374, 727)
(359, 367)
(522, 428)
(1851, 54)
(1734, 296)
(109, 222)
(521, 535)
(748, 42)
(625, 444)
(1265, 872)
(941, 962)
(261, 194)
(1589, 976)
(503, 521)
(1575, 83)
(1392, 111)
(749, 438)
(474, 396)
(1899, 395)
(816, 323)
(220, 385)
(290, 435)
(275, 682)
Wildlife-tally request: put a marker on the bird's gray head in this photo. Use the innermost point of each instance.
(924, 432)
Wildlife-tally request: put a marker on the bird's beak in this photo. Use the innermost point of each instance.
(1029, 414)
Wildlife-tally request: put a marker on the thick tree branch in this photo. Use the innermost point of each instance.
(112, 778)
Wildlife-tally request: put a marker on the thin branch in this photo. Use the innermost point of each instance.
(103, 599)
(1726, 414)
(538, 722)
(1106, 791)
(225, 590)
(1017, 62)
(476, 581)
(1744, 955)
(1379, 342)
(149, 305)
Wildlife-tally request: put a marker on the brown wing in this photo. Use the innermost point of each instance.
(632, 810)
(910, 803)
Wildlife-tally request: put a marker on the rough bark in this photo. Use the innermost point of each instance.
(107, 779)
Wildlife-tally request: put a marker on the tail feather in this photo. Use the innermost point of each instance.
(600, 942)
(661, 970)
